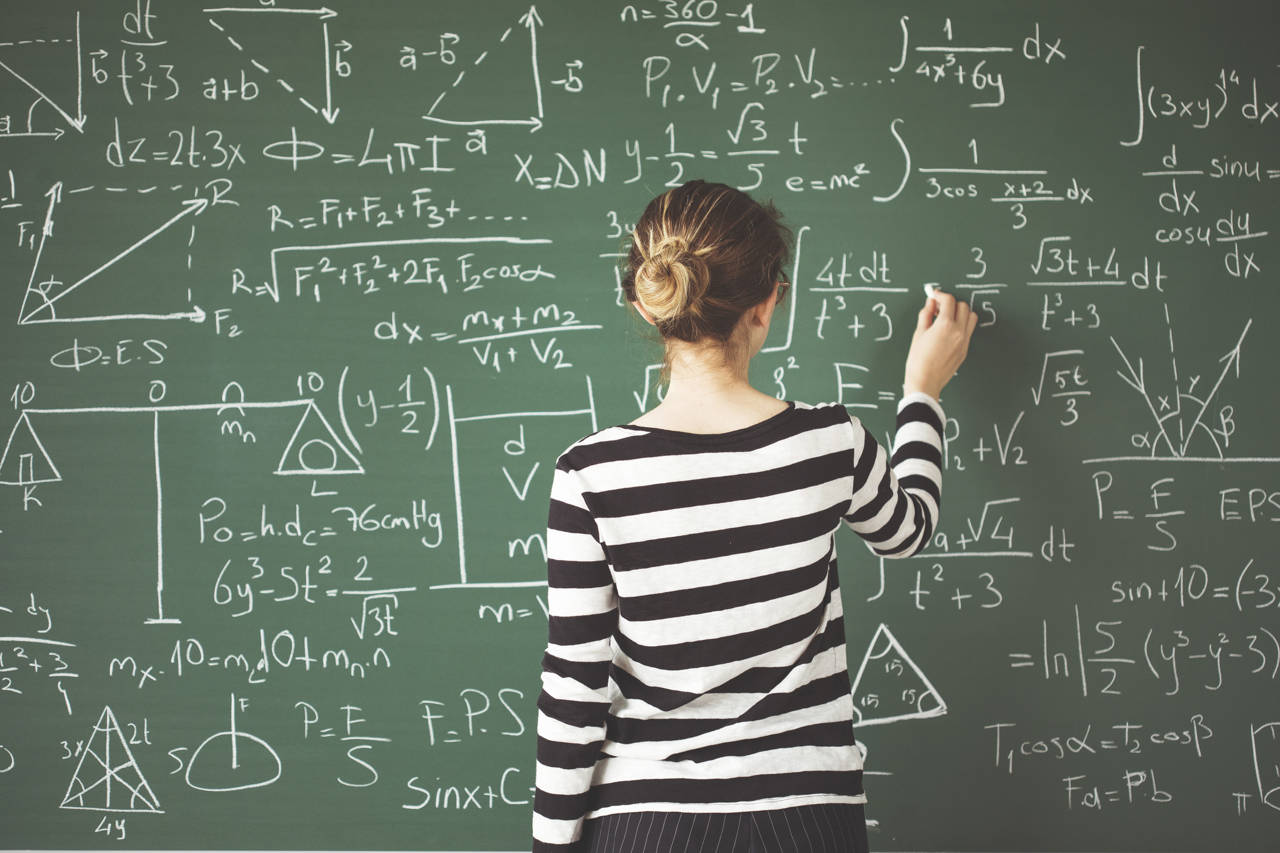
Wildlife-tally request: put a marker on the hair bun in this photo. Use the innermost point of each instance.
(672, 279)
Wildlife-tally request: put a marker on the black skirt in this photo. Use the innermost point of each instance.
(825, 828)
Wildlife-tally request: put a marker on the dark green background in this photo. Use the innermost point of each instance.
(359, 764)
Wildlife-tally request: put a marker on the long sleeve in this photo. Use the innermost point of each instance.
(896, 499)
(574, 703)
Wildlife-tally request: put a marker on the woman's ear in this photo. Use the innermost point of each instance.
(762, 313)
(643, 313)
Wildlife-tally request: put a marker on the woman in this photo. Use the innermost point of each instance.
(695, 692)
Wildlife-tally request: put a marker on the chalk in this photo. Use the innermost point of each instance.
(929, 289)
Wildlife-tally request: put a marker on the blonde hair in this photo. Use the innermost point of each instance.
(672, 279)
(701, 255)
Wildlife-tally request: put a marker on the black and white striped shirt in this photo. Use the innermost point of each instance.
(696, 659)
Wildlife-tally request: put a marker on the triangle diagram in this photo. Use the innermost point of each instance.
(40, 63)
(24, 461)
(121, 248)
(107, 778)
(890, 687)
(289, 50)
(314, 448)
(500, 85)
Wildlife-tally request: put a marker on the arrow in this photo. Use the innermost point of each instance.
(1232, 358)
(54, 194)
(77, 123)
(533, 20)
(534, 122)
(524, 492)
(329, 113)
(324, 12)
(56, 134)
(196, 316)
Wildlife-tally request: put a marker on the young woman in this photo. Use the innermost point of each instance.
(695, 692)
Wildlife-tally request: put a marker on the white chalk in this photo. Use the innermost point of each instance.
(929, 289)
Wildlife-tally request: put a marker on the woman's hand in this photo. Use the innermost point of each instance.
(940, 343)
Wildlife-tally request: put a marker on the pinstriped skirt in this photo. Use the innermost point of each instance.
(825, 828)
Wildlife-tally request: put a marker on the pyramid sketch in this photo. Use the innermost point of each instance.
(315, 448)
(100, 785)
(491, 88)
(24, 461)
(890, 687)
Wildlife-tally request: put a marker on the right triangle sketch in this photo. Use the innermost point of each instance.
(890, 687)
(491, 88)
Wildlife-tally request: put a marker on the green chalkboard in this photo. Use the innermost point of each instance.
(305, 301)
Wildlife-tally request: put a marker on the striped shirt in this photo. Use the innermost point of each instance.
(696, 657)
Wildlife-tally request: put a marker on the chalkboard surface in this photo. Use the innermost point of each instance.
(305, 301)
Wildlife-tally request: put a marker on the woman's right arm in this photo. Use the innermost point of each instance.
(897, 498)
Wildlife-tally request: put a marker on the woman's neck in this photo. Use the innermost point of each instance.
(708, 394)
(699, 372)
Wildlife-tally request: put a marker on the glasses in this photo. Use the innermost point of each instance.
(783, 286)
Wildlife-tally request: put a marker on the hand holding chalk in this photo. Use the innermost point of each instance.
(940, 342)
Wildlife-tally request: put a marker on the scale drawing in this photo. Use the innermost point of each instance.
(485, 81)
(60, 86)
(106, 783)
(25, 461)
(313, 449)
(890, 686)
(260, 769)
(45, 288)
(253, 25)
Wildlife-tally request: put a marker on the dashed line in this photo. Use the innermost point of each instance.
(506, 33)
(284, 84)
(1173, 358)
(140, 190)
(35, 41)
(480, 58)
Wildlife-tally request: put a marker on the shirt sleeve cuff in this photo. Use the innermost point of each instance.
(927, 399)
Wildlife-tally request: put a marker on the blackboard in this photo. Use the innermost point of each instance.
(304, 302)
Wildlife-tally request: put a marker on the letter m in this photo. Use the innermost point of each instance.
(527, 543)
(121, 663)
